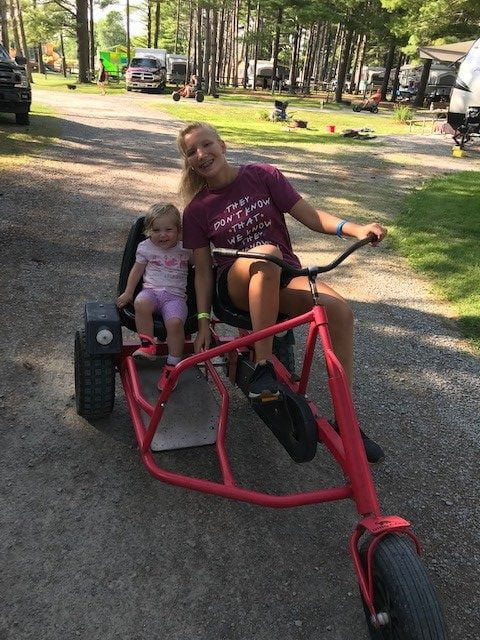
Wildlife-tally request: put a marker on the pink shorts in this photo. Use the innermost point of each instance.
(166, 303)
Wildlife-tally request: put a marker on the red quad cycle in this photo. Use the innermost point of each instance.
(398, 598)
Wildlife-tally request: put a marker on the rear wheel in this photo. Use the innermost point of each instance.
(199, 96)
(403, 594)
(22, 118)
(374, 109)
(176, 96)
(94, 381)
(357, 107)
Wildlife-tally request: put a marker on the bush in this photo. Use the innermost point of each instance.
(264, 115)
(402, 113)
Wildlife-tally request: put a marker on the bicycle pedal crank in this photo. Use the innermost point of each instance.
(290, 420)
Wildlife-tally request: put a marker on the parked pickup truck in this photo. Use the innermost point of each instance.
(146, 74)
(15, 92)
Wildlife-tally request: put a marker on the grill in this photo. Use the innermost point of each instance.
(142, 76)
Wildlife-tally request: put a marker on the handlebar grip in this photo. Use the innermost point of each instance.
(232, 253)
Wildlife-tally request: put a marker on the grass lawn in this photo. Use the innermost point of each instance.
(245, 123)
(18, 142)
(439, 233)
(57, 82)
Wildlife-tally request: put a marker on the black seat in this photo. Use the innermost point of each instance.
(127, 313)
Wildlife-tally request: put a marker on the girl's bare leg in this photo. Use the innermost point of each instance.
(254, 285)
(144, 316)
(296, 299)
(175, 337)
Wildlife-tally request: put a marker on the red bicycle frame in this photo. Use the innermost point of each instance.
(346, 445)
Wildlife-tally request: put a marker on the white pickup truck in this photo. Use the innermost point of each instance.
(146, 73)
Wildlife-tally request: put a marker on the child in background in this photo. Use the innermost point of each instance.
(163, 263)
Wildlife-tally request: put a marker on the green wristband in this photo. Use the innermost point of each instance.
(203, 314)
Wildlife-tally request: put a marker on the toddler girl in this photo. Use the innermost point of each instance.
(163, 263)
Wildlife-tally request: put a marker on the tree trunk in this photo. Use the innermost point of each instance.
(3, 22)
(92, 36)
(388, 68)
(326, 55)
(16, 35)
(177, 27)
(331, 69)
(221, 48)
(199, 46)
(127, 16)
(212, 88)
(149, 25)
(207, 49)
(395, 79)
(358, 47)
(81, 26)
(423, 83)
(258, 24)
(246, 35)
(360, 65)
(23, 40)
(292, 80)
(342, 67)
(276, 45)
(157, 25)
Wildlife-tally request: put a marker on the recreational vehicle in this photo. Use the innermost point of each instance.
(440, 80)
(466, 90)
(176, 68)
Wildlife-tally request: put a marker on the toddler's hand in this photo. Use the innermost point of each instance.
(202, 339)
(123, 299)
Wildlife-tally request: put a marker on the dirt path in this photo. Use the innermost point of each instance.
(94, 547)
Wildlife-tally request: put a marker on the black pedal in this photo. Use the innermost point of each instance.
(292, 423)
(289, 418)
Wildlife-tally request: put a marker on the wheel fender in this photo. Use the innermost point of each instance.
(103, 331)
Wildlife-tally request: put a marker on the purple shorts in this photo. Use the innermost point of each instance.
(168, 304)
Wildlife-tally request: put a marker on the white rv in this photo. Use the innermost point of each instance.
(440, 80)
(176, 68)
(371, 78)
(466, 91)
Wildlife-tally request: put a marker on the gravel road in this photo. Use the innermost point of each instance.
(94, 547)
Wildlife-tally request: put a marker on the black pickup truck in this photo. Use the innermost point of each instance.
(15, 92)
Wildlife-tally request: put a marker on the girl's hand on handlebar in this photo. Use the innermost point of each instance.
(375, 228)
(202, 339)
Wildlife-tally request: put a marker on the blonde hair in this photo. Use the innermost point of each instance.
(161, 210)
(190, 182)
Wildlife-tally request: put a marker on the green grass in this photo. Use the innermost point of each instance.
(56, 82)
(243, 123)
(19, 142)
(439, 233)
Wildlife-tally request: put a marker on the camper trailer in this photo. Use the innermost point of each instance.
(466, 90)
(176, 68)
(264, 73)
(371, 78)
(440, 81)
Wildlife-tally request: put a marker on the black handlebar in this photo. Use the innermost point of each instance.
(311, 272)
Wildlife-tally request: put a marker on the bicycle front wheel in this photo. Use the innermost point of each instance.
(403, 594)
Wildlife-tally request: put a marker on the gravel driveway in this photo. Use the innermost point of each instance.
(97, 549)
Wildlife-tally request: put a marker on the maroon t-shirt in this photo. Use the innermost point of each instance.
(246, 213)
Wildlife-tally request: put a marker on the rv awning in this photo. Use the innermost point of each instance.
(447, 52)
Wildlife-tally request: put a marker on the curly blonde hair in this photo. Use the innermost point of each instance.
(190, 182)
(161, 210)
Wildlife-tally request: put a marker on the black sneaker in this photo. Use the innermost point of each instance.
(373, 450)
(263, 385)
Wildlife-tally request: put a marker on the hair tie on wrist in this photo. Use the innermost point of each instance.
(203, 314)
(338, 230)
